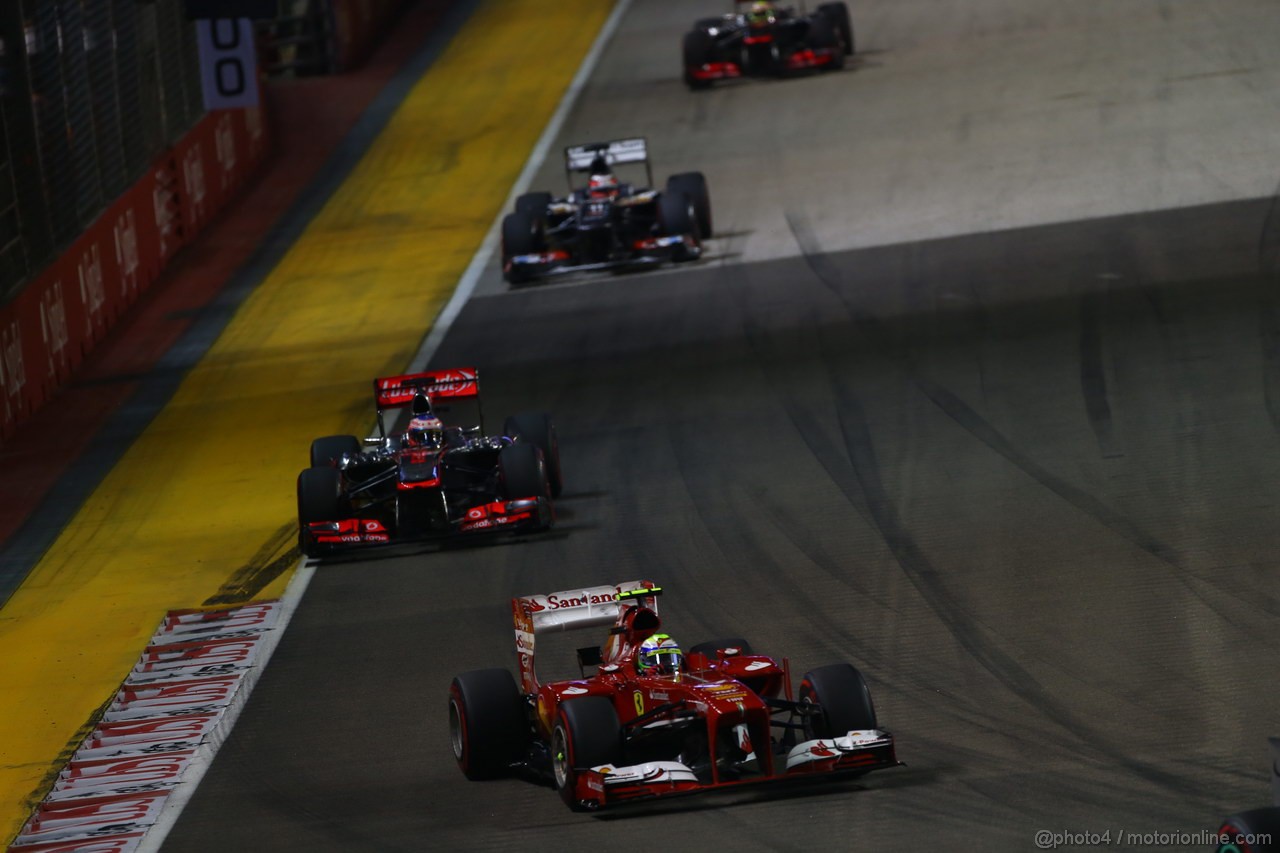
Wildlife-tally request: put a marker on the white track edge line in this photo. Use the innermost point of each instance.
(480, 260)
(182, 792)
(203, 759)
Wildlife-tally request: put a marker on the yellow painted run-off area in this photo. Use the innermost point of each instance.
(207, 493)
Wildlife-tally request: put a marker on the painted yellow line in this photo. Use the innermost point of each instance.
(212, 479)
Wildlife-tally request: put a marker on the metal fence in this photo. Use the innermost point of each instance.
(90, 92)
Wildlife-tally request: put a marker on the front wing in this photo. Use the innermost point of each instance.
(801, 60)
(856, 752)
(651, 251)
(493, 517)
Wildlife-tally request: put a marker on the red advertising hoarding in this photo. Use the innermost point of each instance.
(50, 326)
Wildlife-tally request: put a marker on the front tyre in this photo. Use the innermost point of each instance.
(838, 14)
(487, 726)
(697, 49)
(319, 499)
(537, 429)
(587, 734)
(522, 473)
(331, 448)
(694, 185)
(521, 235)
(843, 700)
(676, 217)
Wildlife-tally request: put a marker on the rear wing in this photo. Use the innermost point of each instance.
(572, 610)
(455, 383)
(580, 158)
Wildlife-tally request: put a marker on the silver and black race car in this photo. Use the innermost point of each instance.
(432, 479)
(607, 224)
(767, 40)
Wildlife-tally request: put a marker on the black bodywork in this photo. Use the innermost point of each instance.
(629, 226)
(787, 41)
(399, 485)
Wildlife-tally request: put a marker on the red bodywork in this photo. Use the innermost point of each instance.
(728, 695)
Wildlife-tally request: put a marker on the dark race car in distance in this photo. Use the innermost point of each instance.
(768, 40)
(607, 224)
(651, 721)
(431, 479)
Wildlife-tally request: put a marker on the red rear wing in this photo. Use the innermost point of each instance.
(566, 611)
(392, 392)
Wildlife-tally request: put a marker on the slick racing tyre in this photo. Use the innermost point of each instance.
(319, 499)
(843, 699)
(327, 450)
(838, 14)
(694, 185)
(587, 734)
(487, 725)
(521, 235)
(676, 217)
(534, 204)
(711, 647)
(1255, 822)
(697, 49)
(824, 33)
(537, 429)
(522, 473)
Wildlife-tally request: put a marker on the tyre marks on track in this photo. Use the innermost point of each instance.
(856, 472)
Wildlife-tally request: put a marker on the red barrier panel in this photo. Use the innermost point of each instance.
(357, 24)
(49, 327)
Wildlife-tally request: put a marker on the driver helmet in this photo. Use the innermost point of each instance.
(603, 185)
(660, 655)
(424, 431)
(761, 12)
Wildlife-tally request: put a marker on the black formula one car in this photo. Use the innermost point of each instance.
(607, 224)
(767, 40)
(431, 479)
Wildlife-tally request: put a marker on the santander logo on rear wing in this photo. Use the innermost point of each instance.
(455, 383)
(571, 610)
(584, 608)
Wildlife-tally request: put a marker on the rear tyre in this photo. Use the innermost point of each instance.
(521, 235)
(842, 695)
(324, 451)
(676, 217)
(319, 499)
(710, 647)
(838, 14)
(587, 734)
(538, 429)
(697, 49)
(694, 185)
(487, 726)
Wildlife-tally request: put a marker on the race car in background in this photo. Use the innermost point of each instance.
(652, 721)
(607, 224)
(766, 40)
(432, 478)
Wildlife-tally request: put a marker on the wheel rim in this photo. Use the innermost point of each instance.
(455, 729)
(560, 757)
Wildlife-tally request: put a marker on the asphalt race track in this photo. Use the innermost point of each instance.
(988, 408)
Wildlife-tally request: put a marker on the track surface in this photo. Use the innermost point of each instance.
(1024, 479)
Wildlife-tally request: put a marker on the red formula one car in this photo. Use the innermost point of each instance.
(432, 479)
(766, 40)
(652, 720)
